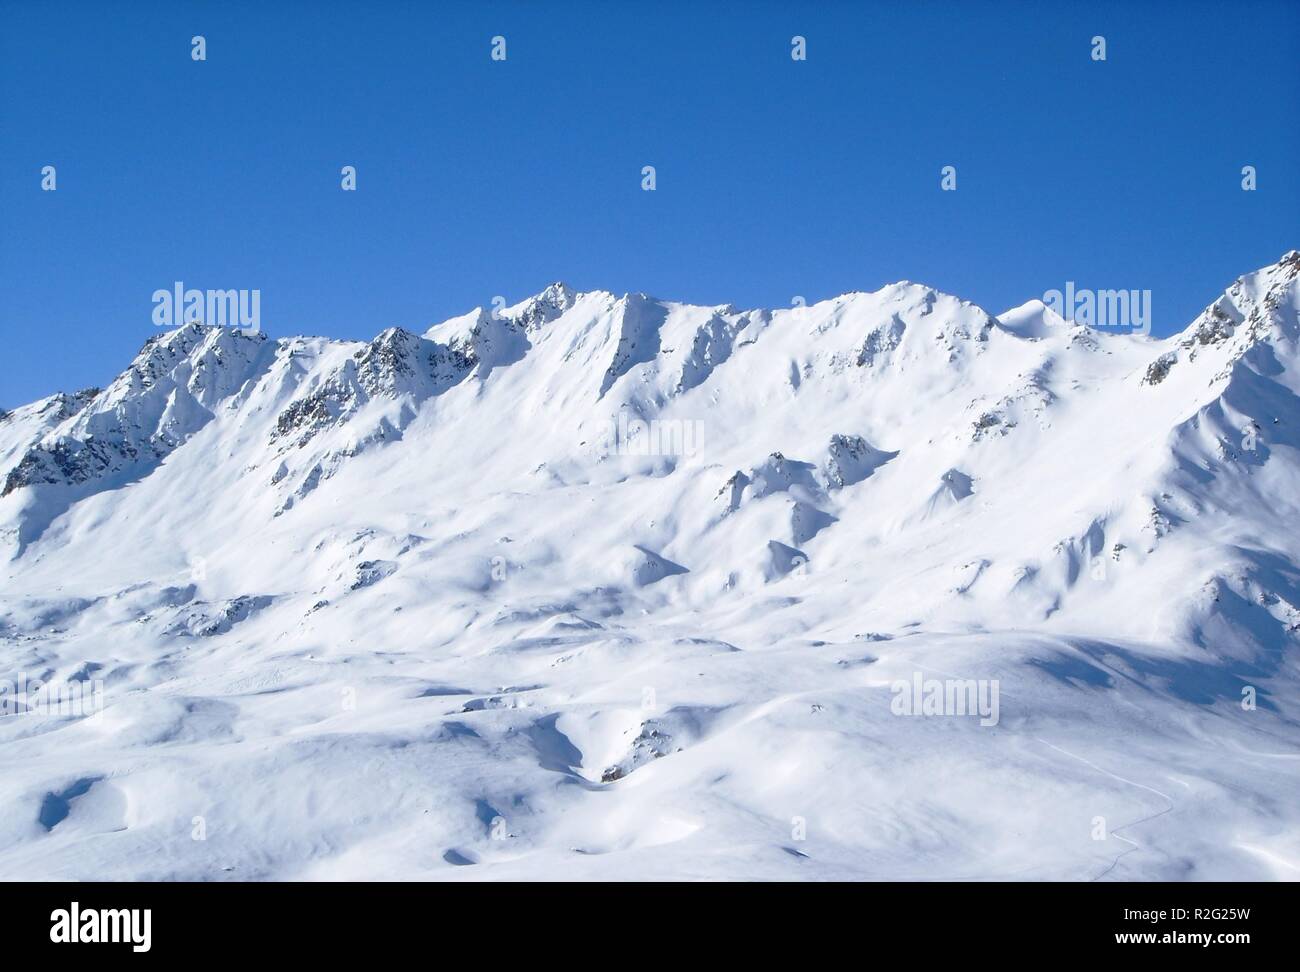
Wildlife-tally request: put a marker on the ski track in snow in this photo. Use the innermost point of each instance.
(1128, 826)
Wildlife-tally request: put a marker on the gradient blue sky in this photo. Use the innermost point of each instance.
(479, 178)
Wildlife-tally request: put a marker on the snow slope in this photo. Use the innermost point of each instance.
(613, 587)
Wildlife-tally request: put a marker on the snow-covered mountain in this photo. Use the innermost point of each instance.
(610, 587)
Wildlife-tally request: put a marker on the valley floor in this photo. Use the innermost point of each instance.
(581, 750)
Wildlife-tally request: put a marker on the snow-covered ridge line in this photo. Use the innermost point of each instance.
(1243, 302)
(172, 388)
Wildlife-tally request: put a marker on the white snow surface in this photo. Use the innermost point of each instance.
(406, 609)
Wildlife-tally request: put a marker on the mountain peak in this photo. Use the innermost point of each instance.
(539, 310)
(1032, 319)
(557, 291)
(1257, 306)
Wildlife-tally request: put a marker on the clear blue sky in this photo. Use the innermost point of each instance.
(479, 178)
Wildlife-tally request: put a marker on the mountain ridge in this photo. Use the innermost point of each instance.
(502, 535)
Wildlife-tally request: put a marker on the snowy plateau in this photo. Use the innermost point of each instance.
(408, 609)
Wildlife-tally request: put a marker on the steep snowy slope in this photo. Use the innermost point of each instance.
(608, 587)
